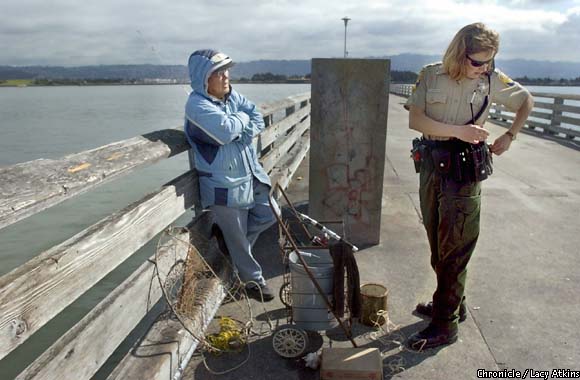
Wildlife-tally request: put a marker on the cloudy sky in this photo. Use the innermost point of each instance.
(76, 32)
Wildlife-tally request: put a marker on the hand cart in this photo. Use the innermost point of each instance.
(307, 280)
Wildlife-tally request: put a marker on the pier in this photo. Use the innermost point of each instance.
(523, 282)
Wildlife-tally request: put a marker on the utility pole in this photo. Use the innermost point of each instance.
(345, 19)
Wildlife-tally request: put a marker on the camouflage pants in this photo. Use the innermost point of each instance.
(451, 214)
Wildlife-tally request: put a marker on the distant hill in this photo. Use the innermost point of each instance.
(282, 67)
(402, 62)
(539, 69)
(414, 62)
(96, 72)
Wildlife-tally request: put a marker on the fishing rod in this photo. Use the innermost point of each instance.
(326, 230)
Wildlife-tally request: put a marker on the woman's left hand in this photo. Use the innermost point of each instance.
(501, 144)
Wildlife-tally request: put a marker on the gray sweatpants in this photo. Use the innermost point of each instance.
(241, 228)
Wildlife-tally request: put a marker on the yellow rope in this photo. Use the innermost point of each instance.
(230, 337)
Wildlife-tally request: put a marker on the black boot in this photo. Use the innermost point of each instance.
(431, 337)
(261, 293)
(426, 308)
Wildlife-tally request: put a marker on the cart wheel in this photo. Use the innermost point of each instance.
(285, 294)
(289, 342)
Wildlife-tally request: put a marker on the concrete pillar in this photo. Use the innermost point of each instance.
(347, 144)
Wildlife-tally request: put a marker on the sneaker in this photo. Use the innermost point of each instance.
(262, 292)
(426, 308)
(432, 337)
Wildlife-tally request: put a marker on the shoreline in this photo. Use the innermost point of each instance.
(144, 84)
(305, 81)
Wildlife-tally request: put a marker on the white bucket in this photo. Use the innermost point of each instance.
(309, 310)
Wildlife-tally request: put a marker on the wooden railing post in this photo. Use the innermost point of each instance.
(556, 118)
(497, 112)
(290, 110)
(268, 120)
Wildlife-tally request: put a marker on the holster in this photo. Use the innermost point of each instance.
(418, 153)
(456, 160)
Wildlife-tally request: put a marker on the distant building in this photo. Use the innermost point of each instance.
(159, 81)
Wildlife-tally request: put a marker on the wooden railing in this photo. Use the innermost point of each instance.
(402, 89)
(552, 114)
(32, 294)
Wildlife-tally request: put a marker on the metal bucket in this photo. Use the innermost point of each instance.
(309, 311)
(374, 304)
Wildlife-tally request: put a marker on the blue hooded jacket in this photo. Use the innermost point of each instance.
(220, 134)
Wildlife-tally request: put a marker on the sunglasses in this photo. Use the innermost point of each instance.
(221, 73)
(476, 63)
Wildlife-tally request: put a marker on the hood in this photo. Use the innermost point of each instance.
(202, 63)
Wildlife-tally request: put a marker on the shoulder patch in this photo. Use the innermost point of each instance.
(419, 79)
(505, 79)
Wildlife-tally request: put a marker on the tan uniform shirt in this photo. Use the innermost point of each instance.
(449, 101)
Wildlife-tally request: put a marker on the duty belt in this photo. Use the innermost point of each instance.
(454, 159)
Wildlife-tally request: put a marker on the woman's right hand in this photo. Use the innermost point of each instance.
(472, 133)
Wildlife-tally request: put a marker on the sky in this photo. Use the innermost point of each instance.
(75, 32)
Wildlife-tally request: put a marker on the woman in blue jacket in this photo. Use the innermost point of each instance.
(220, 124)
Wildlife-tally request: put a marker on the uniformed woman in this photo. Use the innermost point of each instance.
(449, 106)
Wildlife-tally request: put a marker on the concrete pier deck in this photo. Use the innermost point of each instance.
(523, 290)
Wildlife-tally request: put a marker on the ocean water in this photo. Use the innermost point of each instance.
(50, 122)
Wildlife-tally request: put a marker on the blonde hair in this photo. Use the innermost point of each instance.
(471, 39)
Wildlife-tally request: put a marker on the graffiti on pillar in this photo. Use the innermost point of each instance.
(350, 185)
(348, 135)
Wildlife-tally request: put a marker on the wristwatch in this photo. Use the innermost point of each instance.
(511, 135)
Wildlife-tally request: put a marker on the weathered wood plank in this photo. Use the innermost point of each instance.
(568, 108)
(566, 131)
(570, 120)
(85, 347)
(35, 292)
(168, 346)
(541, 115)
(536, 124)
(159, 354)
(272, 157)
(285, 171)
(269, 135)
(271, 108)
(532, 124)
(406, 89)
(30, 187)
(552, 95)
(557, 107)
(544, 105)
(547, 126)
(506, 114)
